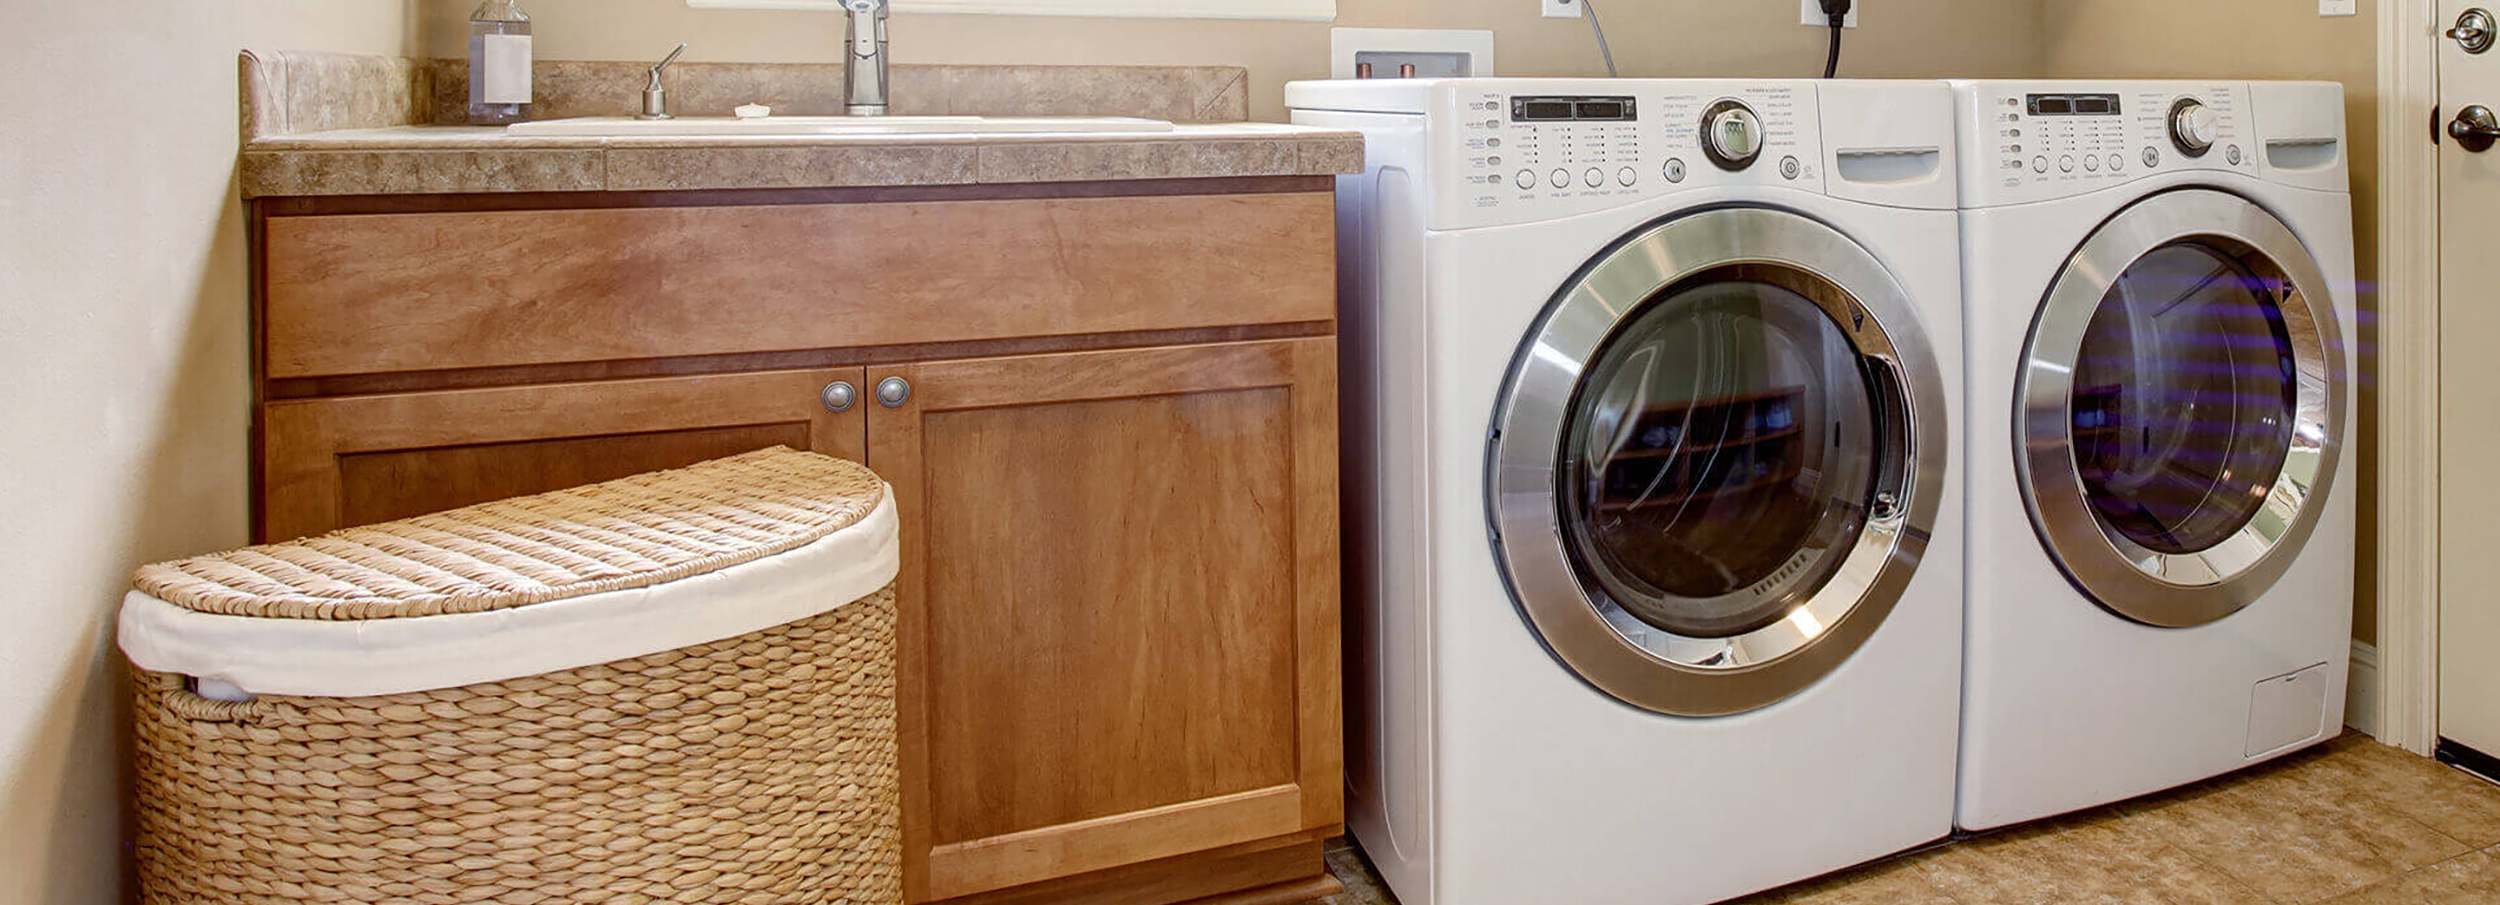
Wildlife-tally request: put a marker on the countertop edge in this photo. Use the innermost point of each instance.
(419, 160)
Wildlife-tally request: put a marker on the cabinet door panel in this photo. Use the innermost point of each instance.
(1120, 606)
(331, 463)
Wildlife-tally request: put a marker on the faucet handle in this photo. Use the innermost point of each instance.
(655, 94)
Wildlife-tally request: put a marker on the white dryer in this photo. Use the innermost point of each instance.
(2159, 284)
(1651, 514)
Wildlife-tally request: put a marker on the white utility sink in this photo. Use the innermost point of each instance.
(833, 125)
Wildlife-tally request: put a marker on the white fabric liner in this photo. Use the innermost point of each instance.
(332, 658)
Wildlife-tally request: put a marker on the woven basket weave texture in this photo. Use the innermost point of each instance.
(627, 533)
(757, 769)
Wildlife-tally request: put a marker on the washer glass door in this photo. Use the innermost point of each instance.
(2181, 405)
(1722, 455)
(1716, 461)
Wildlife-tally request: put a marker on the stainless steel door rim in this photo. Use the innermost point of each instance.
(1604, 644)
(2186, 588)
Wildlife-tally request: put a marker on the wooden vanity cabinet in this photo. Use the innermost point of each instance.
(1119, 632)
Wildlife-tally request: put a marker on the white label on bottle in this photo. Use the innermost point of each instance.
(507, 62)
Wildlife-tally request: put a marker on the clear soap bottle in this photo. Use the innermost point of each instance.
(499, 63)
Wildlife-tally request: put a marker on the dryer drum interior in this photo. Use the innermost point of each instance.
(1716, 461)
(2180, 408)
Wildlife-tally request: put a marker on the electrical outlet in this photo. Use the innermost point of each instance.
(1561, 9)
(1810, 12)
(2339, 7)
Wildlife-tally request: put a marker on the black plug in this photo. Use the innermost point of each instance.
(1837, 11)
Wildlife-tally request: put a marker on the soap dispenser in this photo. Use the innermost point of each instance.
(499, 63)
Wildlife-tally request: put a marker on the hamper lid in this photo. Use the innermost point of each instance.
(524, 586)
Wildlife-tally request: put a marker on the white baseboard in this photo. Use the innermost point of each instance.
(2361, 691)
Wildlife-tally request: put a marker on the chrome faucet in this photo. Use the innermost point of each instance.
(863, 57)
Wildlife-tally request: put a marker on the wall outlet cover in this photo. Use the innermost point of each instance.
(1561, 9)
(2339, 7)
(1810, 12)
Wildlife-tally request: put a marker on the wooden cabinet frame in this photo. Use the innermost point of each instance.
(360, 429)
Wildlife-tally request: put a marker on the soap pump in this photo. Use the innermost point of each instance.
(499, 63)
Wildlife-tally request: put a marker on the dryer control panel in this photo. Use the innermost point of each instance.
(2035, 141)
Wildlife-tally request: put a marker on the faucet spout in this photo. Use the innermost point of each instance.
(863, 57)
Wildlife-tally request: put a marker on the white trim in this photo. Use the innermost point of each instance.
(2361, 691)
(1291, 10)
(2408, 384)
(344, 658)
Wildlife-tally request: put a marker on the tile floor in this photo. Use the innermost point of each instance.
(2351, 822)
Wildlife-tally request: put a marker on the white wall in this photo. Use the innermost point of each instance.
(122, 335)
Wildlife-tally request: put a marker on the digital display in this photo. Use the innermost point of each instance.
(2074, 104)
(1571, 109)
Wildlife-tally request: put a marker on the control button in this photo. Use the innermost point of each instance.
(1562, 178)
(1493, 161)
(1789, 168)
(1493, 142)
(2091, 164)
(2232, 154)
(1594, 177)
(1627, 176)
(1675, 169)
(1526, 179)
(2117, 162)
(2040, 164)
(2152, 157)
(2066, 163)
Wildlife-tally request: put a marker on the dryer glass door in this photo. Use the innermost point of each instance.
(2179, 403)
(1717, 460)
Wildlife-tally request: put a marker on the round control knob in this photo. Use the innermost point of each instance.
(1731, 135)
(2192, 127)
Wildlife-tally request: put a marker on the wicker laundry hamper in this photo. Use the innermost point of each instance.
(676, 687)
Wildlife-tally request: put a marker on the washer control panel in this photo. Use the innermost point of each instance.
(2054, 139)
(1537, 150)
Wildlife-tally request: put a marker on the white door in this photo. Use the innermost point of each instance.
(2469, 453)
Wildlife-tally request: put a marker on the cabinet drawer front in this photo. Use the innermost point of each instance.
(382, 293)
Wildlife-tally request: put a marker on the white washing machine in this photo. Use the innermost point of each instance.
(2159, 283)
(1651, 512)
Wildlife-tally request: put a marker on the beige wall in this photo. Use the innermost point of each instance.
(1929, 38)
(2278, 39)
(122, 326)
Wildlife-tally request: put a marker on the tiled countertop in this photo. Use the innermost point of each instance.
(429, 159)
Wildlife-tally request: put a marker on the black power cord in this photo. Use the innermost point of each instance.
(1837, 11)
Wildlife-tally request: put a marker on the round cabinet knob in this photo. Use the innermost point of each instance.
(839, 396)
(2192, 127)
(1731, 135)
(892, 392)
